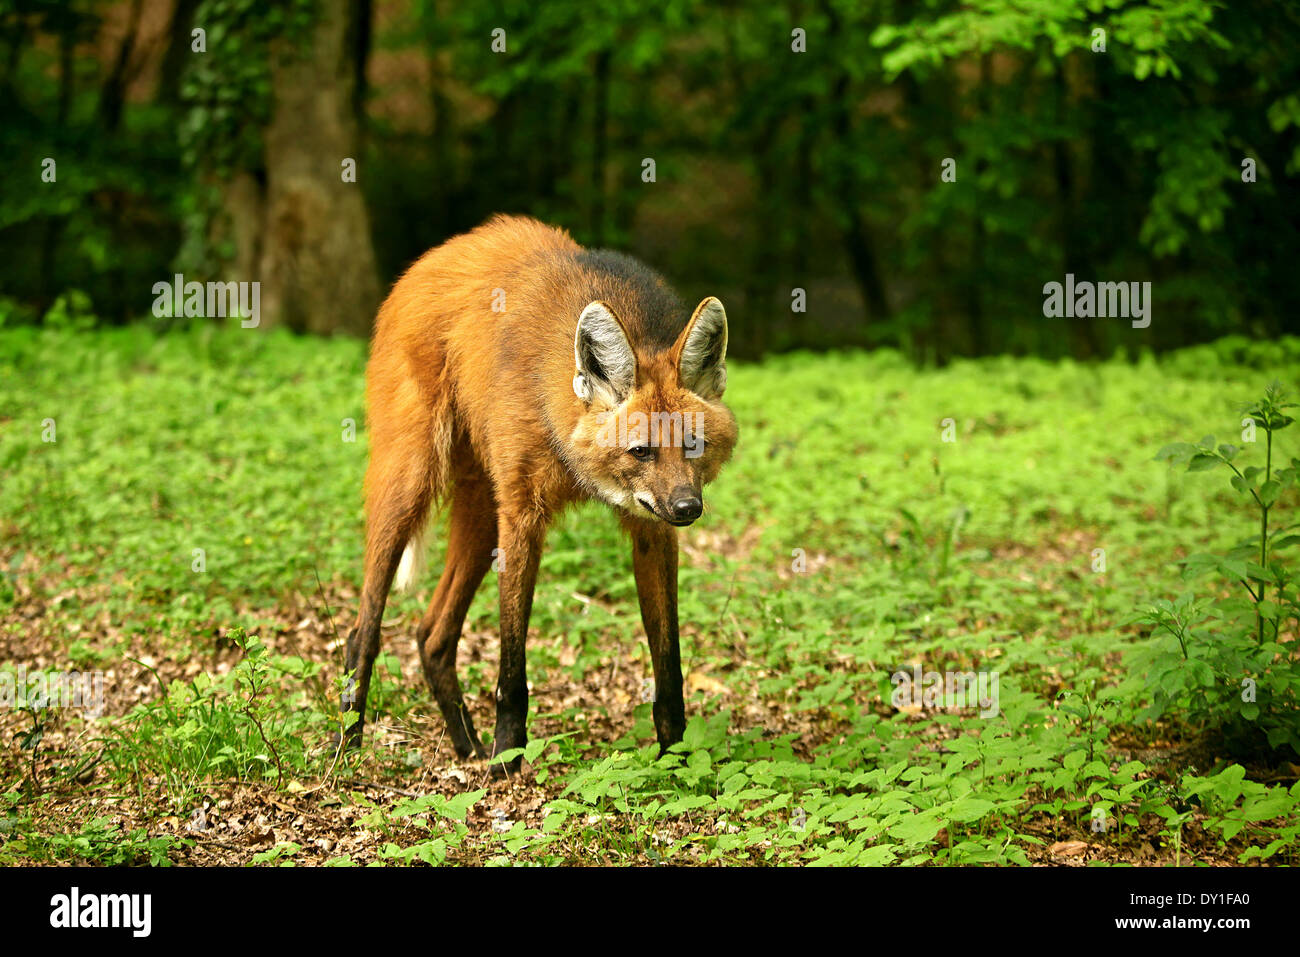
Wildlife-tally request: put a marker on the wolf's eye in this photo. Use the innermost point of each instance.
(641, 453)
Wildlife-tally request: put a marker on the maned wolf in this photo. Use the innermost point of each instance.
(513, 373)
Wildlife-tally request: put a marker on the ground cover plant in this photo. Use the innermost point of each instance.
(180, 512)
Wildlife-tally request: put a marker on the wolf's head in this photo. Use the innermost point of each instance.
(654, 431)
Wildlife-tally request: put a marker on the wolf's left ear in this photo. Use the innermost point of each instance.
(701, 350)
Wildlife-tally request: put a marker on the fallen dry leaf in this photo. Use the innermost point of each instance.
(1068, 848)
(698, 681)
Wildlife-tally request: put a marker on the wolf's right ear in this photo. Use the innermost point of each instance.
(606, 365)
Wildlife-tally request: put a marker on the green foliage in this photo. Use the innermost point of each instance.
(100, 842)
(227, 101)
(92, 180)
(419, 830)
(977, 554)
(228, 96)
(1230, 669)
(1244, 803)
(776, 170)
(249, 724)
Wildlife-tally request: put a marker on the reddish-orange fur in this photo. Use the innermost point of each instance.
(476, 407)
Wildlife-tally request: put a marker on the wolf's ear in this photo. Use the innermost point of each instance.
(702, 350)
(606, 365)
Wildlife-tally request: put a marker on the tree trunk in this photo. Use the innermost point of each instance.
(53, 228)
(178, 51)
(599, 135)
(359, 37)
(855, 233)
(1074, 251)
(976, 274)
(113, 95)
(317, 267)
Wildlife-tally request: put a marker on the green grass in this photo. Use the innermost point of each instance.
(965, 555)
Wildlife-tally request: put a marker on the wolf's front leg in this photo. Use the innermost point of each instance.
(654, 562)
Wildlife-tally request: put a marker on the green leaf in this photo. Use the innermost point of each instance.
(970, 809)
(1269, 492)
(1274, 805)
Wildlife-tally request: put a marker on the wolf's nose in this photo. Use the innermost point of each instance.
(686, 508)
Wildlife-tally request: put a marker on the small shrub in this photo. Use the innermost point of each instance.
(1229, 665)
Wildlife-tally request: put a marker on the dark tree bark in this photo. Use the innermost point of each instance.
(599, 145)
(631, 148)
(362, 20)
(66, 78)
(17, 44)
(759, 284)
(1074, 249)
(52, 232)
(558, 163)
(859, 245)
(861, 249)
(317, 265)
(975, 278)
(445, 173)
(178, 51)
(113, 95)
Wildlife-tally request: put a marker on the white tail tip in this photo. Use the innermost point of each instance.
(409, 568)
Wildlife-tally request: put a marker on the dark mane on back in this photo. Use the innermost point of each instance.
(652, 312)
